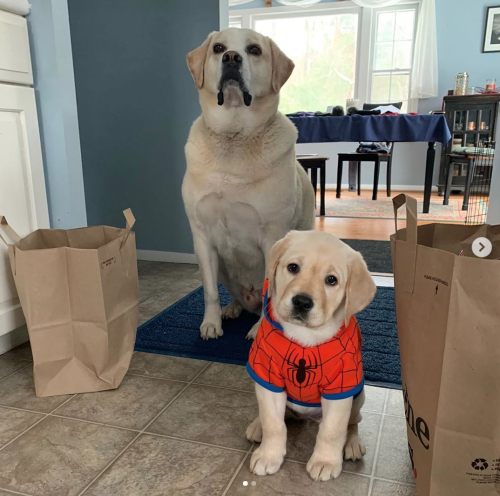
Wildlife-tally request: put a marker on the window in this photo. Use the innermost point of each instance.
(324, 49)
(235, 22)
(392, 56)
(334, 60)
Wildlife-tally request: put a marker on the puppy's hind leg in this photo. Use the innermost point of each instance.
(354, 448)
(233, 310)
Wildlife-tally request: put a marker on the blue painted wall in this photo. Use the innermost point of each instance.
(51, 57)
(136, 103)
(460, 31)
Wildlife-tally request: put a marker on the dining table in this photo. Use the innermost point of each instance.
(396, 128)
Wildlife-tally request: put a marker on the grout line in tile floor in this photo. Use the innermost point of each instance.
(166, 286)
(36, 423)
(142, 431)
(192, 441)
(377, 448)
(15, 372)
(237, 471)
(10, 491)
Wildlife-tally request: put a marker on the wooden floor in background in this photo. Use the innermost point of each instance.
(356, 228)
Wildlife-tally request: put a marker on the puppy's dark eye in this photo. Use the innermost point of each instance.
(218, 48)
(331, 281)
(254, 50)
(293, 268)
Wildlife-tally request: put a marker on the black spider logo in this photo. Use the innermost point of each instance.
(300, 373)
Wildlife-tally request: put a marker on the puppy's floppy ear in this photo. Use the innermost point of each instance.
(282, 67)
(360, 289)
(277, 251)
(196, 61)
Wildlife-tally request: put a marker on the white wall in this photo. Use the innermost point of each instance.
(408, 166)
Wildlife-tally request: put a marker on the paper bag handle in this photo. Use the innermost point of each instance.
(411, 236)
(6, 227)
(130, 221)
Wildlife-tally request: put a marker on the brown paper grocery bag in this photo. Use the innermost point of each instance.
(80, 296)
(448, 317)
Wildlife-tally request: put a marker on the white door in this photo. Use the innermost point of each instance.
(23, 199)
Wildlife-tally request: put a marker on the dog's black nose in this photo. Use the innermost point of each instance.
(302, 303)
(232, 59)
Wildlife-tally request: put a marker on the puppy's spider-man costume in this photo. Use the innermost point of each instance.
(332, 370)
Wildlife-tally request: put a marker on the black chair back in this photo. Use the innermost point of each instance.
(371, 106)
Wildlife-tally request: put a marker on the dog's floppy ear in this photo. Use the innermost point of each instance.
(196, 61)
(277, 251)
(282, 67)
(360, 289)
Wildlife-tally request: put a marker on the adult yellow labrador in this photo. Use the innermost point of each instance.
(243, 189)
(306, 358)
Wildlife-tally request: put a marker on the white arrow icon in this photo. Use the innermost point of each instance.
(482, 247)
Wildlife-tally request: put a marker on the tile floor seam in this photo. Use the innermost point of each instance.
(143, 431)
(406, 484)
(192, 441)
(237, 471)
(15, 372)
(377, 447)
(23, 409)
(5, 355)
(35, 424)
(199, 383)
(76, 419)
(10, 491)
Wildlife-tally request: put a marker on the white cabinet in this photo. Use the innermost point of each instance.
(23, 199)
(15, 59)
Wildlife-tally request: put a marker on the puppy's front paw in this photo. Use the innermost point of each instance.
(322, 469)
(209, 330)
(253, 331)
(232, 311)
(254, 431)
(354, 448)
(265, 462)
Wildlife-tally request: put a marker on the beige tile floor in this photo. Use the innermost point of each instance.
(176, 426)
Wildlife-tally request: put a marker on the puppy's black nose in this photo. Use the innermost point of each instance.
(302, 303)
(232, 59)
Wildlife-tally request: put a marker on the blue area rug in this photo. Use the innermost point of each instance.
(175, 331)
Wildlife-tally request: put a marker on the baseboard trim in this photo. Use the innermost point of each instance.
(394, 187)
(167, 256)
(13, 338)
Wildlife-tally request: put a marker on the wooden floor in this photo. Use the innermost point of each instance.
(356, 228)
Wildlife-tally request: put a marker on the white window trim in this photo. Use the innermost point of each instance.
(412, 102)
(366, 27)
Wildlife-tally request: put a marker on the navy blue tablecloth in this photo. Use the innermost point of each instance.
(356, 128)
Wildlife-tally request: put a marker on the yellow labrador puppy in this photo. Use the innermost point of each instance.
(243, 189)
(307, 354)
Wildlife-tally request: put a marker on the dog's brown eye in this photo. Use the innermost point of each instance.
(254, 50)
(218, 48)
(293, 268)
(331, 281)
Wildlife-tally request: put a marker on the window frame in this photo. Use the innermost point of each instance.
(412, 102)
(365, 47)
(249, 16)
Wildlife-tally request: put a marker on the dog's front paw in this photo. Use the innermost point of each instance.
(322, 469)
(265, 462)
(254, 431)
(253, 331)
(354, 448)
(209, 330)
(232, 311)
